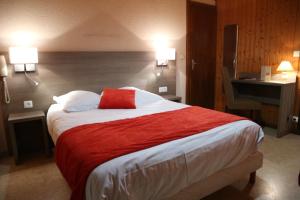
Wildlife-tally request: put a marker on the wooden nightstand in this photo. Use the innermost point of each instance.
(172, 98)
(17, 122)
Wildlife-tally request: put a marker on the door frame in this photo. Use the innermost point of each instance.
(188, 53)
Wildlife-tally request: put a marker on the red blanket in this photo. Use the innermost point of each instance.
(81, 149)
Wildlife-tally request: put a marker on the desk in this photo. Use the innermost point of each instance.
(277, 93)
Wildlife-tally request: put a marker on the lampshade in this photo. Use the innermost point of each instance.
(3, 66)
(285, 66)
(166, 54)
(23, 55)
(171, 54)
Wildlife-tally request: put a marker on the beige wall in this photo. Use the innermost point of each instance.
(97, 25)
(60, 25)
(79, 25)
(104, 25)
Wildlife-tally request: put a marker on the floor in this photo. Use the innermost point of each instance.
(39, 179)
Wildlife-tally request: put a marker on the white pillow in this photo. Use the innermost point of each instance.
(143, 97)
(79, 100)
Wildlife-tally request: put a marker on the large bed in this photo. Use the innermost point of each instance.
(187, 168)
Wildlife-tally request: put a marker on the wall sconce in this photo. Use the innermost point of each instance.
(164, 55)
(24, 60)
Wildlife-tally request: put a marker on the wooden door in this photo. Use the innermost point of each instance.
(201, 54)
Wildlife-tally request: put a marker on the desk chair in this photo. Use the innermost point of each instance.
(235, 103)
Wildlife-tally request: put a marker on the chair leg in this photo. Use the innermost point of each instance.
(226, 109)
(252, 178)
(252, 115)
(258, 118)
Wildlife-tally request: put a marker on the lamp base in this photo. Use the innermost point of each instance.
(284, 76)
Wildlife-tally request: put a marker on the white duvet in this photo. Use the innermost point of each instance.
(161, 171)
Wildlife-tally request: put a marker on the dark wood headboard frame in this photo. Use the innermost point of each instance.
(61, 72)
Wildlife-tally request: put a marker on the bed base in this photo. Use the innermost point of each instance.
(222, 178)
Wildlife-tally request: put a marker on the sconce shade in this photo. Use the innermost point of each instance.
(3, 66)
(23, 55)
(171, 54)
(285, 66)
(166, 54)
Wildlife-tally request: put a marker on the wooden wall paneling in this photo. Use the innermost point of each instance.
(296, 62)
(266, 36)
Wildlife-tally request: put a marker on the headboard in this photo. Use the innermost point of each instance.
(60, 72)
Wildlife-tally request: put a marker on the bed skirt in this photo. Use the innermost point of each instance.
(221, 179)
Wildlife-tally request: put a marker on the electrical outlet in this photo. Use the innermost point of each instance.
(295, 119)
(28, 104)
(163, 89)
(296, 54)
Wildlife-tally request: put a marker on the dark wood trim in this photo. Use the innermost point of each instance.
(188, 55)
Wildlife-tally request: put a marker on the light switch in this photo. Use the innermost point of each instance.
(28, 104)
(296, 54)
(163, 89)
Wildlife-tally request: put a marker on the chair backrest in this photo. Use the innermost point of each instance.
(229, 93)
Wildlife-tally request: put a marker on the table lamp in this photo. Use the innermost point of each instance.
(285, 68)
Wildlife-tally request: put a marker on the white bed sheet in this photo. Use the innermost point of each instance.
(163, 170)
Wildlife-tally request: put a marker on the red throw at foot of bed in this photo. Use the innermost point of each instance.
(81, 149)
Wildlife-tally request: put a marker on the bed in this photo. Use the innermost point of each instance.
(187, 168)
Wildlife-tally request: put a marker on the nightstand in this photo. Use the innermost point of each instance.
(172, 98)
(22, 125)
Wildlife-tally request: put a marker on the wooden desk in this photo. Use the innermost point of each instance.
(277, 93)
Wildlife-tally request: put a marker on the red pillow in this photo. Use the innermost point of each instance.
(117, 99)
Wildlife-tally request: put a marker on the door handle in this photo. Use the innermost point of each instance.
(234, 62)
(194, 63)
